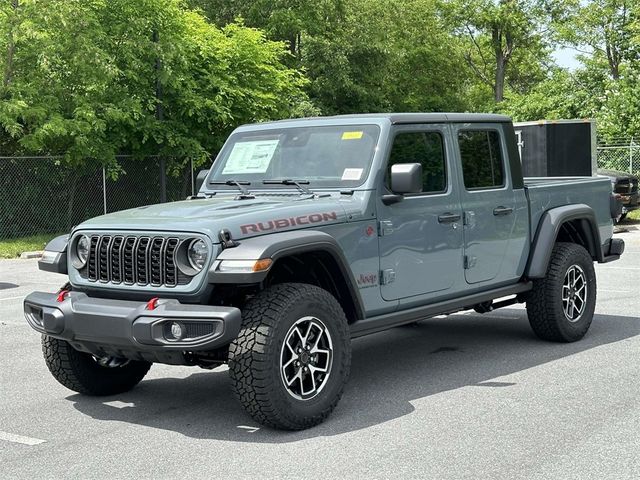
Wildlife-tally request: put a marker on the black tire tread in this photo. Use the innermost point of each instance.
(79, 372)
(542, 300)
(249, 364)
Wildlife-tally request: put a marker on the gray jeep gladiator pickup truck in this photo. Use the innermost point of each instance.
(308, 233)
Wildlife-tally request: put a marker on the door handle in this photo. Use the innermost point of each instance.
(449, 217)
(498, 211)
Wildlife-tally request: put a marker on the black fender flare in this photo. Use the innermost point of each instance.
(55, 257)
(280, 245)
(547, 233)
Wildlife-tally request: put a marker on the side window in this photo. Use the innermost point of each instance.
(426, 148)
(482, 164)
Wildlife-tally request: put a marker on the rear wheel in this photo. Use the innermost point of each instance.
(561, 305)
(89, 375)
(291, 360)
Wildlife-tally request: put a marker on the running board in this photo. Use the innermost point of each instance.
(390, 320)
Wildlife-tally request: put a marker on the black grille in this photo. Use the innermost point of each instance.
(134, 260)
(626, 186)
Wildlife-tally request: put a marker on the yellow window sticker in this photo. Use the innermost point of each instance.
(352, 135)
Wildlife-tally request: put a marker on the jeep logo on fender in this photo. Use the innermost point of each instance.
(288, 222)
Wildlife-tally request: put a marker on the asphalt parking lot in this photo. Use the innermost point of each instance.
(469, 396)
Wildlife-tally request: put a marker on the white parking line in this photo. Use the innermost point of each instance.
(10, 437)
(12, 298)
(119, 404)
(613, 267)
(249, 429)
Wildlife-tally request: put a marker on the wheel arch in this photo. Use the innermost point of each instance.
(570, 223)
(312, 257)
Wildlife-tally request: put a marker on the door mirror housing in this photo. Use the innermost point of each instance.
(202, 175)
(406, 178)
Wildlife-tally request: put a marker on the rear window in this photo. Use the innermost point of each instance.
(482, 160)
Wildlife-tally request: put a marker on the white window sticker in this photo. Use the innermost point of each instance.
(352, 174)
(250, 157)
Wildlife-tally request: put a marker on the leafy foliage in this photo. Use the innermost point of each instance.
(503, 40)
(387, 56)
(605, 86)
(95, 78)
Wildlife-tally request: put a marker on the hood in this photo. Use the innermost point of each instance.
(243, 218)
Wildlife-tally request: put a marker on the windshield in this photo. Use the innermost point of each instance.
(323, 156)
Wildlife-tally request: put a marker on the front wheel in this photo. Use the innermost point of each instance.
(561, 305)
(291, 360)
(89, 375)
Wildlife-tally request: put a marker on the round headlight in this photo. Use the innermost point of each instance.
(197, 254)
(82, 250)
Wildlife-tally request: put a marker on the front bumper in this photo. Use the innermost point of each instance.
(128, 329)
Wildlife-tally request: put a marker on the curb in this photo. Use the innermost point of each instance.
(28, 255)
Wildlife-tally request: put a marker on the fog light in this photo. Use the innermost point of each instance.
(177, 330)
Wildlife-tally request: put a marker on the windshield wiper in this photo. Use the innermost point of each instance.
(234, 183)
(288, 181)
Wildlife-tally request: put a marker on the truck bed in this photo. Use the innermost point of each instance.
(549, 192)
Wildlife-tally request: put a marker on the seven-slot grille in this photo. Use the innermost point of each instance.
(128, 259)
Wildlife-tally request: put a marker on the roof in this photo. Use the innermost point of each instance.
(399, 118)
(553, 122)
(403, 118)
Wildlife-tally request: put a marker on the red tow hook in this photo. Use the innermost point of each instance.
(62, 296)
(152, 304)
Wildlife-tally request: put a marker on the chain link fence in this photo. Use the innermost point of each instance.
(41, 195)
(622, 156)
(44, 195)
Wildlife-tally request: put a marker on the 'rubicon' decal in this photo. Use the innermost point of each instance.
(288, 222)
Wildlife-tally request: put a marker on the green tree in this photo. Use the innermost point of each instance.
(291, 21)
(561, 95)
(362, 55)
(387, 56)
(605, 86)
(602, 29)
(101, 77)
(505, 44)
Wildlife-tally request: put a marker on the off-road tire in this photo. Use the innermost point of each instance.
(80, 372)
(254, 357)
(544, 302)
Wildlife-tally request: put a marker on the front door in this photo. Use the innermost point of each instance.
(488, 201)
(421, 238)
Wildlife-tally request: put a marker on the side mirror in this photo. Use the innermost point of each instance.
(202, 175)
(406, 178)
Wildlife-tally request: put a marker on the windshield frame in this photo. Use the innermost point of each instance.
(246, 132)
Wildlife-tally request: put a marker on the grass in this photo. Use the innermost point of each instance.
(12, 248)
(634, 215)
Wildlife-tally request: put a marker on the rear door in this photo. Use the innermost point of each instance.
(421, 237)
(488, 202)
